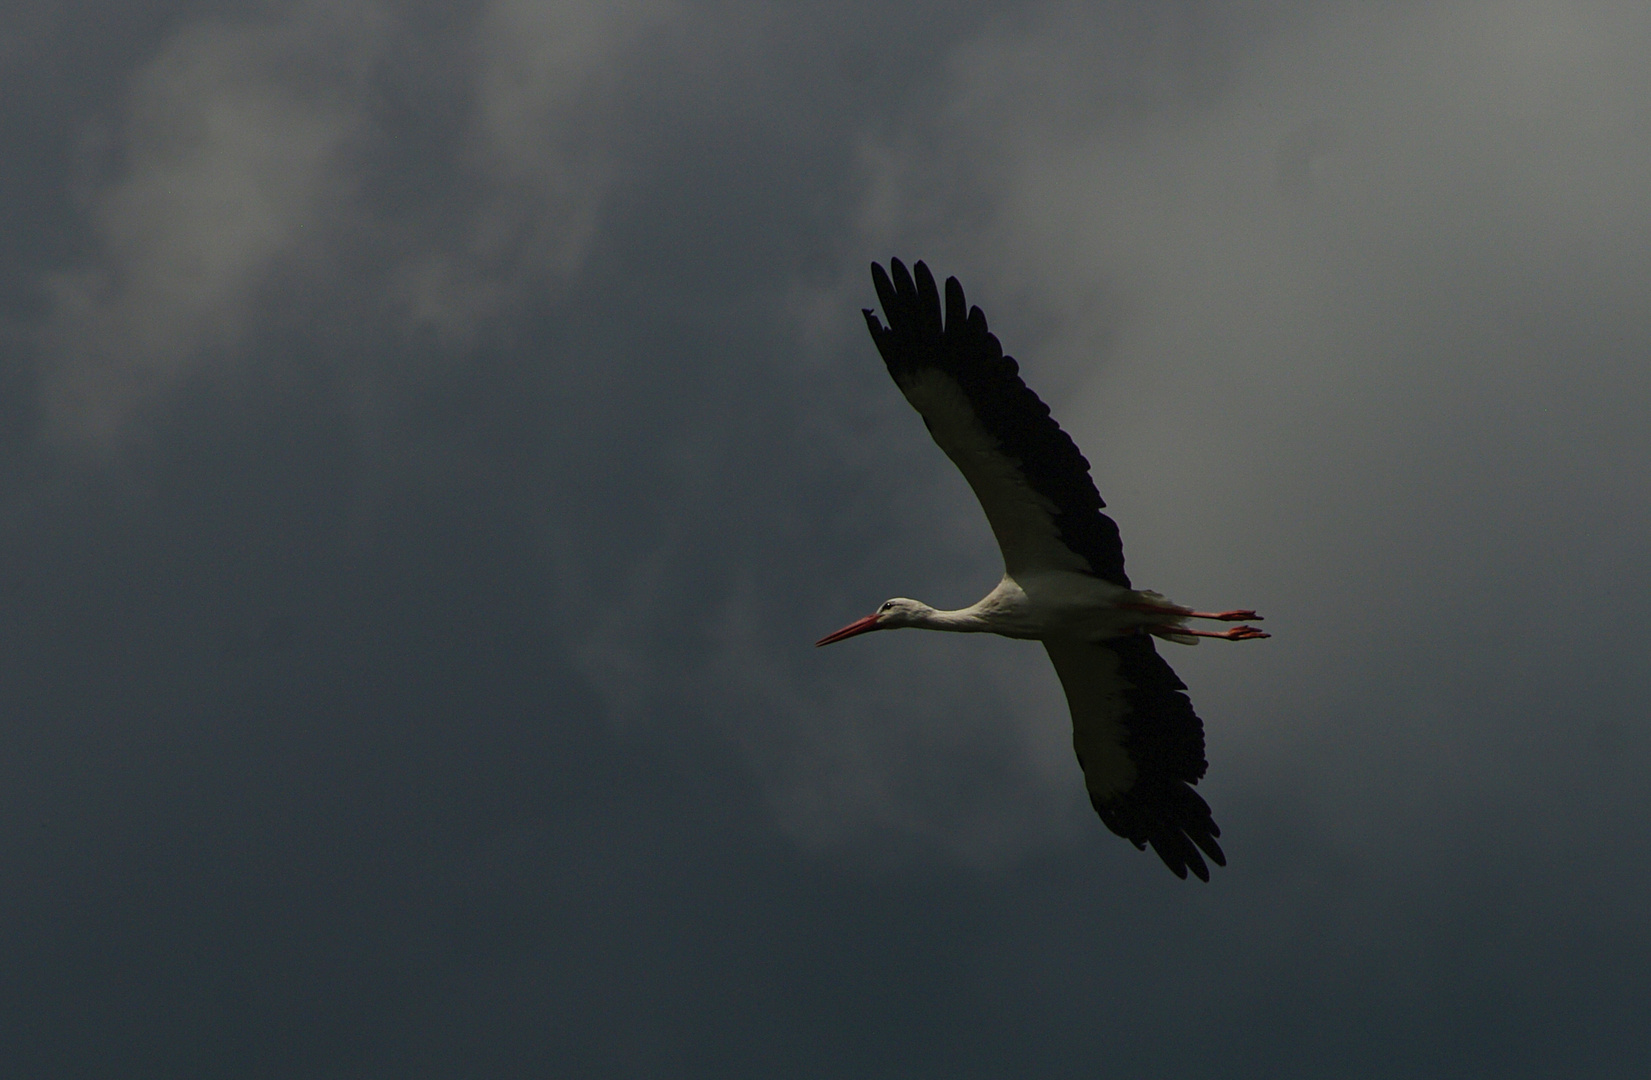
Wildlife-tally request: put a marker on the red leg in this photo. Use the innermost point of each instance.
(1188, 613)
(1224, 616)
(1237, 633)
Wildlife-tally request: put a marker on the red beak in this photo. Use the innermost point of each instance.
(858, 626)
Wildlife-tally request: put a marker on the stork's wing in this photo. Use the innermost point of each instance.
(1141, 747)
(1027, 473)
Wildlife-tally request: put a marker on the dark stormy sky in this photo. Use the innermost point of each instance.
(432, 435)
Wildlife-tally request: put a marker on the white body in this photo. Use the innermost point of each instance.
(1041, 605)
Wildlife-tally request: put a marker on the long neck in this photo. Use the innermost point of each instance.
(963, 621)
(1005, 610)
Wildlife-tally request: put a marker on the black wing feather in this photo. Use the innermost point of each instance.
(1166, 742)
(963, 348)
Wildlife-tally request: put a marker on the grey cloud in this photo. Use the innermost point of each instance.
(233, 145)
(542, 116)
(424, 682)
(248, 156)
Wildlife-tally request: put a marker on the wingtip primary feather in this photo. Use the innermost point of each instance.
(1206, 841)
(957, 313)
(904, 288)
(885, 288)
(928, 300)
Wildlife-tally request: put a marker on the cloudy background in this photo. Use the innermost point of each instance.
(433, 435)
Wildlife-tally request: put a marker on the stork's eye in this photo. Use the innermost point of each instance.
(888, 605)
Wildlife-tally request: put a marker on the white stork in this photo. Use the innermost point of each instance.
(1140, 745)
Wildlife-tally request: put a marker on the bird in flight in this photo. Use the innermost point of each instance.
(1139, 743)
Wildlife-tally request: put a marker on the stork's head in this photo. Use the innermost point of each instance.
(893, 613)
